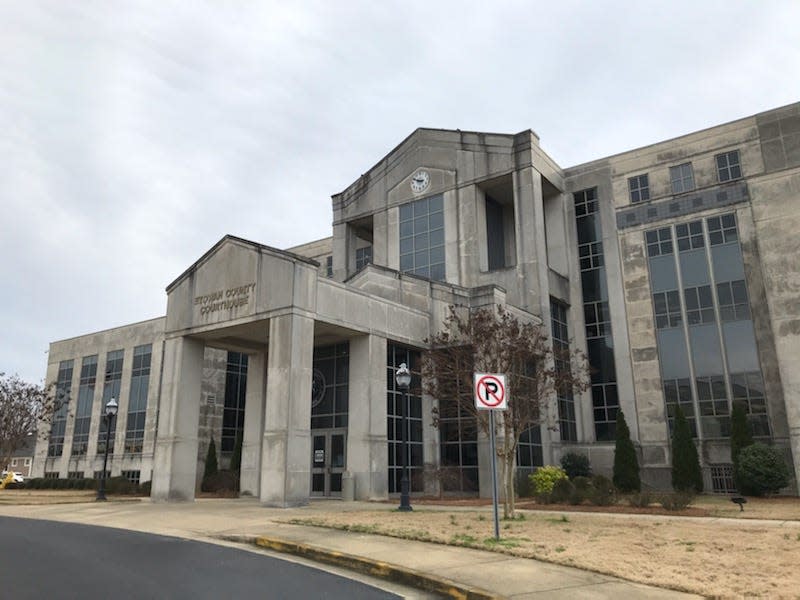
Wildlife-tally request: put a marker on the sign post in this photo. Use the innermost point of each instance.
(490, 394)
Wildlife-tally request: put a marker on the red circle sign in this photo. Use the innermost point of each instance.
(491, 391)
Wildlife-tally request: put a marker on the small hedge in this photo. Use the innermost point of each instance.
(676, 500)
(603, 491)
(576, 465)
(544, 480)
(761, 470)
(114, 485)
(225, 483)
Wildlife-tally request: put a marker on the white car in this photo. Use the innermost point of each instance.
(18, 478)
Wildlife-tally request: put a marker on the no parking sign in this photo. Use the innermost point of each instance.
(490, 391)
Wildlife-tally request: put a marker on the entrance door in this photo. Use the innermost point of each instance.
(328, 461)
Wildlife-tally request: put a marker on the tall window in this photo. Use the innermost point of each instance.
(83, 412)
(330, 387)
(682, 178)
(567, 421)
(329, 266)
(235, 394)
(458, 445)
(137, 404)
(728, 167)
(110, 390)
(599, 339)
(363, 257)
(394, 412)
(55, 446)
(639, 188)
(720, 365)
(422, 238)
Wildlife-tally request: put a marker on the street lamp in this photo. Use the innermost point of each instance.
(111, 412)
(403, 379)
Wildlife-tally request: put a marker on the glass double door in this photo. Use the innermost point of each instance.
(328, 461)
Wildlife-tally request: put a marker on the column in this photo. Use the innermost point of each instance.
(367, 441)
(253, 423)
(175, 462)
(286, 448)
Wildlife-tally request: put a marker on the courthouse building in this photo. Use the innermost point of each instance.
(674, 267)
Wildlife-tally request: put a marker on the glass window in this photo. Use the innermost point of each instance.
(682, 178)
(396, 355)
(111, 388)
(83, 412)
(728, 167)
(689, 235)
(330, 403)
(662, 273)
(659, 242)
(722, 229)
(667, 309)
(58, 426)
(639, 188)
(329, 266)
(363, 257)
(422, 238)
(137, 403)
(235, 395)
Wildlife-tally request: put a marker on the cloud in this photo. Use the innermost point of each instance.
(137, 135)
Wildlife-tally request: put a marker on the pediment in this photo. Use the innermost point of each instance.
(237, 279)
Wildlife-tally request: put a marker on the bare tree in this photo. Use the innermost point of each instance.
(24, 408)
(491, 340)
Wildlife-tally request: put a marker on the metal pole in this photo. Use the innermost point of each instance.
(494, 476)
(101, 492)
(405, 503)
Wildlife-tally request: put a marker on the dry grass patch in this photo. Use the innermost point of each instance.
(46, 496)
(713, 558)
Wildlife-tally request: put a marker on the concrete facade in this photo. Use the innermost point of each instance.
(480, 219)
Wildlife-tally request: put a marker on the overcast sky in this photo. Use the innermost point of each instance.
(134, 135)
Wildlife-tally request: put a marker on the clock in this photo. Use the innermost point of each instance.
(420, 181)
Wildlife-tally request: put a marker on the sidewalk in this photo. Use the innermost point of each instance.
(448, 570)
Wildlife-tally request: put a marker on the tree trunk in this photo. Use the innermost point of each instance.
(509, 485)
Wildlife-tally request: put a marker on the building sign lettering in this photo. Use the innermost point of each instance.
(225, 299)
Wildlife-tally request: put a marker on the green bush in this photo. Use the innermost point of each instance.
(211, 468)
(603, 492)
(626, 463)
(33, 484)
(144, 488)
(583, 490)
(222, 483)
(544, 479)
(686, 473)
(676, 500)
(576, 465)
(15, 486)
(563, 490)
(761, 471)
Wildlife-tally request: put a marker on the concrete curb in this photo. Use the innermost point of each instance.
(366, 566)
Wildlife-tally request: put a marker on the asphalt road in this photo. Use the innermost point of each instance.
(46, 559)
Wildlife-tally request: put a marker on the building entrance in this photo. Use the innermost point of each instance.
(328, 461)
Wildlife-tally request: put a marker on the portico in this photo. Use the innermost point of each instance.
(228, 300)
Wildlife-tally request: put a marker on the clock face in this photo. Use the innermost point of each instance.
(420, 181)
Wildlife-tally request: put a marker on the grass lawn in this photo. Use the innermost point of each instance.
(702, 555)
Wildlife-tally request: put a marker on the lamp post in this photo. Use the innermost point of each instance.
(403, 380)
(111, 411)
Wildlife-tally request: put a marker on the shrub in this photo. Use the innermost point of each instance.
(211, 466)
(686, 473)
(144, 488)
(544, 479)
(120, 486)
(15, 486)
(641, 499)
(576, 465)
(222, 483)
(626, 463)
(761, 470)
(603, 492)
(563, 490)
(582, 490)
(676, 500)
